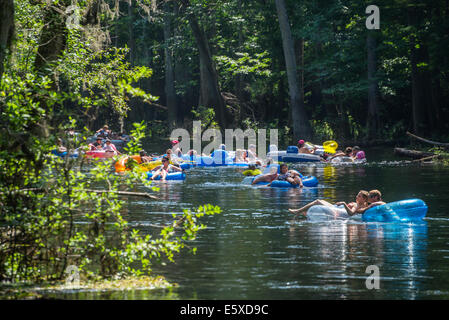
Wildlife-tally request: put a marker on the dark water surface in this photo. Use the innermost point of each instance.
(255, 250)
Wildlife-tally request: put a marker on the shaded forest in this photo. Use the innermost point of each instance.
(309, 68)
(227, 57)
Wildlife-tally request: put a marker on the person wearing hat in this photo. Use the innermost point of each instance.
(303, 149)
(97, 145)
(110, 147)
(104, 132)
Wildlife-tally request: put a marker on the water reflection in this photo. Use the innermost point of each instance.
(404, 258)
(342, 249)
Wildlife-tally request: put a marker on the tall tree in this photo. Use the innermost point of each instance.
(373, 108)
(53, 38)
(301, 125)
(210, 94)
(6, 29)
(419, 65)
(169, 69)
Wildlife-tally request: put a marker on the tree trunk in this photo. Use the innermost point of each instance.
(419, 85)
(132, 40)
(238, 77)
(300, 50)
(170, 93)
(316, 97)
(373, 107)
(53, 38)
(210, 95)
(301, 126)
(6, 29)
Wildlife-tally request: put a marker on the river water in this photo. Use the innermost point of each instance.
(255, 249)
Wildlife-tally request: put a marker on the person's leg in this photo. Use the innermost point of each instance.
(265, 178)
(163, 175)
(155, 175)
(311, 204)
(292, 181)
(299, 181)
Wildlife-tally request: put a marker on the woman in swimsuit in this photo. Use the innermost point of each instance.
(164, 169)
(291, 176)
(359, 206)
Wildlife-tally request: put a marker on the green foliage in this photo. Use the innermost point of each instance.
(206, 116)
(244, 65)
(443, 154)
(322, 130)
(61, 211)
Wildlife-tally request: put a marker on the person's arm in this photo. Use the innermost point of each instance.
(176, 168)
(350, 211)
(377, 203)
(301, 185)
(115, 149)
(362, 210)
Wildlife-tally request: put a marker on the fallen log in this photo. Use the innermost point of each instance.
(428, 141)
(415, 154)
(125, 193)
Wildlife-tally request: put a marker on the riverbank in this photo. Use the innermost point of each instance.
(28, 291)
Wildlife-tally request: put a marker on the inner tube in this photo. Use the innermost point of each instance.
(65, 154)
(292, 155)
(255, 172)
(170, 176)
(330, 146)
(307, 181)
(216, 161)
(342, 159)
(148, 166)
(116, 142)
(320, 212)
(120, 165)
(399, 211)
(100, 154)
(186, 165)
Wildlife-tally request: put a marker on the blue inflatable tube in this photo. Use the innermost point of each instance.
(401, 211)
(186, 165)
(64, 154)
(170, 176)
(307, 181)
(205, 161)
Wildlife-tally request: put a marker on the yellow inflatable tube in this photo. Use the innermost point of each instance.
(252, 172)
(330, 146)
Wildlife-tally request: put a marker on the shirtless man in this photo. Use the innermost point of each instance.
(302, 148)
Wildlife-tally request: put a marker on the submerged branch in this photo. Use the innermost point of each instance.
(122, 193)
(428, 141)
